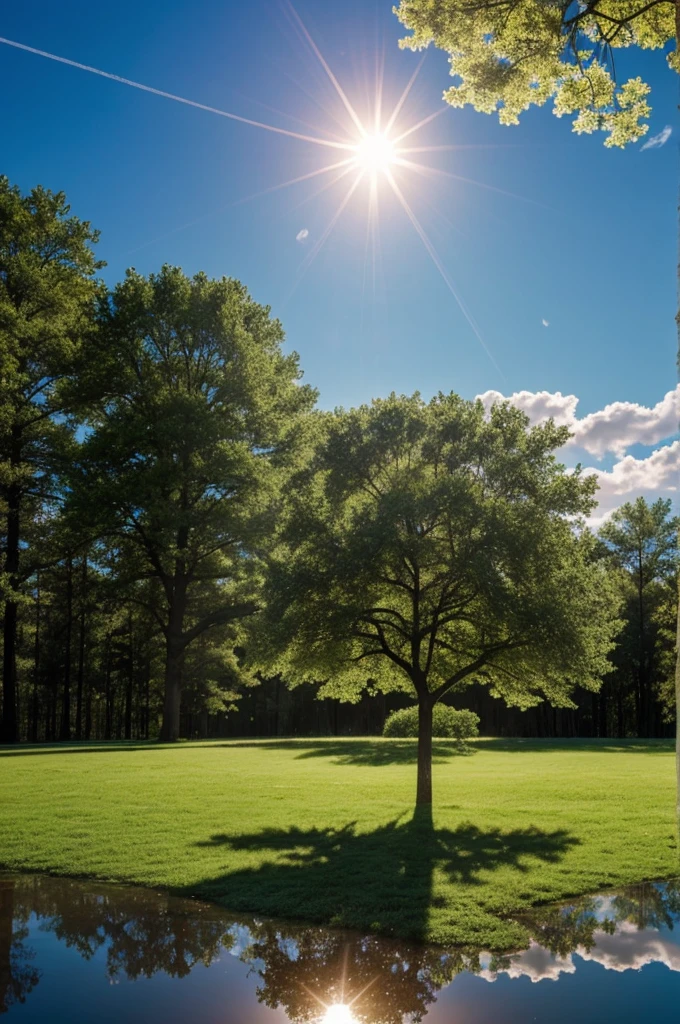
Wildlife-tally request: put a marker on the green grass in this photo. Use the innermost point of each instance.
(324, 830)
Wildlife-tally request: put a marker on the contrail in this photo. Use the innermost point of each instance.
(172, 96)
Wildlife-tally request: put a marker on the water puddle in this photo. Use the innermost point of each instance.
(83, 951)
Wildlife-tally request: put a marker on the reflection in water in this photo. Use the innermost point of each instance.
(18, 974)
(310, 975)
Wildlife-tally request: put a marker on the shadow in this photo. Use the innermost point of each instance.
(371, 752)
(85, 747)
(517, 745)
(366, 751)
(380, 880)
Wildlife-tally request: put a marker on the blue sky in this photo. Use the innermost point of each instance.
(590, 248)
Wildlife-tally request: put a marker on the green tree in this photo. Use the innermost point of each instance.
(197, 424)
(429, 547)
(642, 540)
(509, 55)
(47, 291)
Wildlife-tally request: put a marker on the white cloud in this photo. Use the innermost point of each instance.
(546, 323)
(612, 429)
(659, 472)
(657, 141)
(302, 235)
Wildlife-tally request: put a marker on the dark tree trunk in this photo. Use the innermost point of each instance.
(147, 696)
(424, 785)
(88, 713)
(108, 698)
(9, 725)
(603, 712)
(174, 657)
(65, 727)
(35, 708)
(81, 650)
(128, 688)
(173, 692)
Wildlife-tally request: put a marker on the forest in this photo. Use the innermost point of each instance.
(187, 536)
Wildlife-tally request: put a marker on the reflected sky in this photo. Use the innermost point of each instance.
(83, 951)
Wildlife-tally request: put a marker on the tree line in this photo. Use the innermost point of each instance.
(187, 538)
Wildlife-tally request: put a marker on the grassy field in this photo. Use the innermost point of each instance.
(324, 830)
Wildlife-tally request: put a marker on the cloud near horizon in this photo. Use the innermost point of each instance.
(614, 429)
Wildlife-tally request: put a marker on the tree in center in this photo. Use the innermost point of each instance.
(428, 546)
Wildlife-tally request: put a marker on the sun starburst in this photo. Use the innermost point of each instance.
(370, 151)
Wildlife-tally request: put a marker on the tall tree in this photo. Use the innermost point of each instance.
(47, 289)
(642, 540)
(199, 418)
(430, 547)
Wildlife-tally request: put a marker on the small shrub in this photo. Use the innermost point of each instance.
(447, 723)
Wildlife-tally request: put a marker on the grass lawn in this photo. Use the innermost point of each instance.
(324, 830)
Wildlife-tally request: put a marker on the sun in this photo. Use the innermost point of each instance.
(375, 153)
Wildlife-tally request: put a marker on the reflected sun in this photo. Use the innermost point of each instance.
(338, 1013)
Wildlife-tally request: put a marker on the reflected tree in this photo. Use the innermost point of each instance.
(18, 974)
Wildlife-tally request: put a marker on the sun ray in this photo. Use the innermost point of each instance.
(402, 99)
(362, 992)
(324, 188)
(322, 60)
(420, 124)
(463, 145)
(334, 220)
(172, 96)
(425, 170)
(379, 83)
(294, 181)
(440, 267)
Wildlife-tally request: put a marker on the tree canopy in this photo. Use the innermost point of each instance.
(429, 546)
(509, 55)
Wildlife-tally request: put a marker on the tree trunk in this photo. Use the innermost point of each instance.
(130, 680)
(173, 690)
(174, 657)
(81, 651)
(35, 709)
(424, 787)
(65, 727)
(9, 725)
(108, 699)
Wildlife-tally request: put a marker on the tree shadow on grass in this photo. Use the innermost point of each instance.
(589, 745)
(372, 753)
(380, 880)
